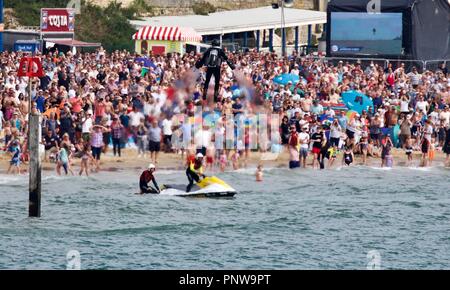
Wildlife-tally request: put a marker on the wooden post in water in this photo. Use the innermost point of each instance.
(34, 138)
(34, 208)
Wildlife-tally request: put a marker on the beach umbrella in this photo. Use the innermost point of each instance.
(356, 101)
(285, 78)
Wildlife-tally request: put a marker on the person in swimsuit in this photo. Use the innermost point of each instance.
(223, 161)
(235, 159)
(425, 145)
(432, 150)
(409, 150)
(86, 156)
(259, 173)
(363, 144)
(348, 156)
(386, 146)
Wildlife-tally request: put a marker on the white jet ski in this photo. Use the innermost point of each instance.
(207, 187)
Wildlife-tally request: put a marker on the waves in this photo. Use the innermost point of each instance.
(293, 219)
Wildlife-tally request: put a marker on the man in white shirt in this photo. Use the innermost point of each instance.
(304, 145)
(434, 116)
(445, 115)
(422, 105)
(415, 77)
(86, 126)
(284, 91)
(295, 70)
(135, 117)
(167, 132)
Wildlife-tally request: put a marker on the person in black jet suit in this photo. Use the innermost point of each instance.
(212, 58)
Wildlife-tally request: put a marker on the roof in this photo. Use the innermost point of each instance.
(237, 20)
(167, 33)
(72, 42)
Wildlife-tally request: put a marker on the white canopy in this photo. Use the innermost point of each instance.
(237, 20)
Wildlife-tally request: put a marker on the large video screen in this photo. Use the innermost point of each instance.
(366, 34)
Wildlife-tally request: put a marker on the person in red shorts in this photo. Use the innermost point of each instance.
(209, 158)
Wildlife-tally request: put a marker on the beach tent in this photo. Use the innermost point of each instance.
(426, 25)
(356, 101)
(164, 39)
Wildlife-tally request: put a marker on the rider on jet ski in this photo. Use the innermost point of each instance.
(195, 170)
(145, 178)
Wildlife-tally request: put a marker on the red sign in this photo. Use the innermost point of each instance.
(30, 67)
(55, 20)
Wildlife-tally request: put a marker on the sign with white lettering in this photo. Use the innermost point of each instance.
(55, 20)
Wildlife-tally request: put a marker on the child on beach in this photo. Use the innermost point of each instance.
(431, 151)
(63, 160)
(15, 160)
(332, 154)
(223, 161)
(259, 173)
(348, 156)
(409, 150)
(235, 159)
(86, 156)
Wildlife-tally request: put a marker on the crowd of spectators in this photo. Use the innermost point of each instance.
(90, 101)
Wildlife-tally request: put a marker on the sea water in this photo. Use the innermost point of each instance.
(294, 219)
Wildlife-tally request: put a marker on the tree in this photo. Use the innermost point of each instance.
(108, 25)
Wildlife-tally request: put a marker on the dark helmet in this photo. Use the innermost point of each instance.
(215, 42)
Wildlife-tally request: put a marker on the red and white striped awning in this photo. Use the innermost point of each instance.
(173, 33)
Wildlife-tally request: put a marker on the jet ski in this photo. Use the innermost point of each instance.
(207, 187)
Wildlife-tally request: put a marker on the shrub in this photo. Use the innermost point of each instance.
(203, 8)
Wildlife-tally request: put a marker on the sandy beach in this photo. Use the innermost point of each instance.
(130, 161)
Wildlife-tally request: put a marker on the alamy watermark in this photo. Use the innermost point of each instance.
(74, 4)
(230, 131)
(374, 260)
(374, 6)
(73, 260)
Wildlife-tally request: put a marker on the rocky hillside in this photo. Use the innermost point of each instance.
(179, 7)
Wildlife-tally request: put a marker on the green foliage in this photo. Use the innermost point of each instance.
(203, 8)
(108, 25)
(28, 11)
(138, 8)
